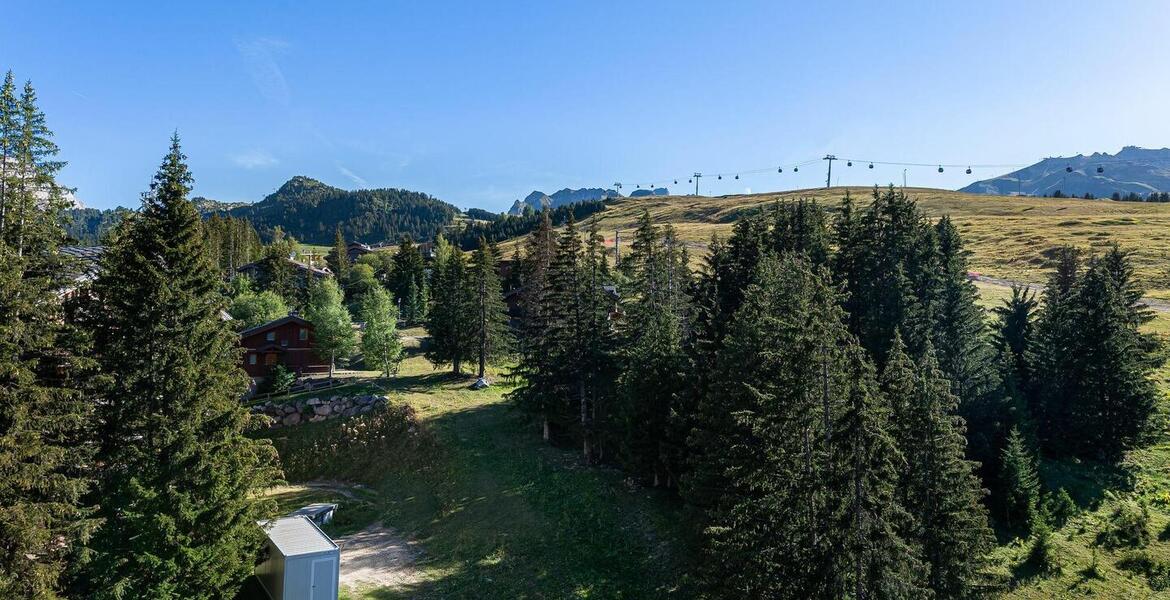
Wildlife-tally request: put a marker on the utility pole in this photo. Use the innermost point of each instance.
(617, 248)
(697, 176)
(903, 180)
(829, 177)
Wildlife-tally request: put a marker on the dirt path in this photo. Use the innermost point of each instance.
(1158, 305)
(378, 557)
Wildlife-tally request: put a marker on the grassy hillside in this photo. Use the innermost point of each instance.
(1010, 237)
(495, 512)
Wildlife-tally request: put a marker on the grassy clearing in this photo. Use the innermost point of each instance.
(1009, 237)
(498, 513)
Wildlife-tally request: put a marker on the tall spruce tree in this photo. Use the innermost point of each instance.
(888, 262)
(490, 324)
(964, 349)
(409, 282)
(179, 481)
(792, 459)
(656, 309)
(339, 256)
(451, 320)
(598, 346)
(535, 367)
(45, 457)
(939, 486)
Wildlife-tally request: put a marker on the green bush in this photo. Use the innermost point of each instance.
(361, 449)
(1157, 572)
(1042, 556)
(1060, 508)
(1128, 526)
(278, 380)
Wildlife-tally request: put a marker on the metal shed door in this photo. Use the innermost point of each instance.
(324, 582)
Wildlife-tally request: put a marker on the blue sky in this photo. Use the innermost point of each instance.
(480, 103)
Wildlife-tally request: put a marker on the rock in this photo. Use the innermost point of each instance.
(291, 419)
(322, 410)
(313, 401)
(290, 409)
(316, 419)
(480, 384)
(365, 409)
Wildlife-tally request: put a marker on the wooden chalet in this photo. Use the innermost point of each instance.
(286, 341)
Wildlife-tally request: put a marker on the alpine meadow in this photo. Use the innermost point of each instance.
(389, 301)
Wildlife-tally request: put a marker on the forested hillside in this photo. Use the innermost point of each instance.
(306, 209)
(312, 211)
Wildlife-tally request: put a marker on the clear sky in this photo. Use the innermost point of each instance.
(480, 103)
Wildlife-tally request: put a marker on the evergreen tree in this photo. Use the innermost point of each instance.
(1014, 331)
(535, 367)
(1019, 481)
(381, 347)
(792, 446)
(452, 316)
(45, 457)
(179, 482)
(800, 227)
(964, 349)
(491, 315)
(333, 332)
(656, 308)
(939, 486)
(408, 282)
(339, 256)
(596, 364)
(564, 342)
(1093, 364)
(888, 263)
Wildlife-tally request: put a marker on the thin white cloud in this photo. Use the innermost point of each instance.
(259, 56)
(254, 159)
(361, 183)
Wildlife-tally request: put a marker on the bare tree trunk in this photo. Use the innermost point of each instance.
(546, 429)
(483, 341)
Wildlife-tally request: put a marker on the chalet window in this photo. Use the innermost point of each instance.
(251, 359)
(303, 334)
(270, 336)
(270, 359)
(284, 342)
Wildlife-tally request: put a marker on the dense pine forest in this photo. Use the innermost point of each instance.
(824, 398)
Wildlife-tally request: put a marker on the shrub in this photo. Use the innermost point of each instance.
(1042, 556)
(278, 381)
(1128, 526)
(1060, 508)
(361, 448)
(1157, 572)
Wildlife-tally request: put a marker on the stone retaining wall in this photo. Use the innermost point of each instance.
(313, 410)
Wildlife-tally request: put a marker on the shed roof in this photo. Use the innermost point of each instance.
(296, 536)
(313, 510)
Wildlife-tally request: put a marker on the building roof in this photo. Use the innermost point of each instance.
(297, 536)
(315, 271)
(87, 259)
(313, 510)
(290, 318)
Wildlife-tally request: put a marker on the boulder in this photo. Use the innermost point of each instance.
(313, 401)
(316, 419)
(322, 410)
(291, 419)
(290, 409)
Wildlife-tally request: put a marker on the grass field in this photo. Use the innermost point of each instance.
(498, 513)
(1010, 237)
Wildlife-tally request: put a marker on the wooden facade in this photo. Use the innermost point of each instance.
(286, 341)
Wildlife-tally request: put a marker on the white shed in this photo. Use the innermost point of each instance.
(298, 561)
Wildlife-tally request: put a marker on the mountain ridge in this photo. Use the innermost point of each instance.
(1132, 170)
